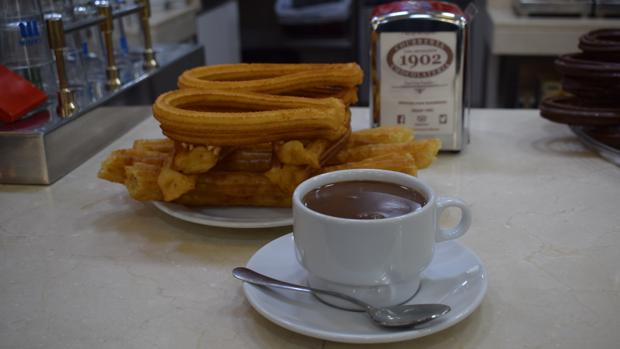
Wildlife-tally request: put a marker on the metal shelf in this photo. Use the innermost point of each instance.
(78, 25)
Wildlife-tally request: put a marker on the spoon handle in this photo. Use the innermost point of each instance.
(256, 278)
(253, 277)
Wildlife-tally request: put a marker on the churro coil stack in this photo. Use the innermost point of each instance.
(248, 134)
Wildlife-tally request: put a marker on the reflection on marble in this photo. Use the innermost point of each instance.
(84, 266)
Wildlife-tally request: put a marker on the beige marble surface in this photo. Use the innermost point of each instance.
(84, 266)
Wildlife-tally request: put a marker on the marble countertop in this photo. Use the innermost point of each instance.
(84, 266)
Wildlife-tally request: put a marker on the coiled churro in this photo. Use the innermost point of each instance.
(305, 80)
(229, 118)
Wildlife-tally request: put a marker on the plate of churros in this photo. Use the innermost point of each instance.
(239, 138)
(229, 217)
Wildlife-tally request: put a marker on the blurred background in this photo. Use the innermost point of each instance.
(512, 47)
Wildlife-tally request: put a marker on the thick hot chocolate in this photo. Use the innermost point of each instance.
(364, 200)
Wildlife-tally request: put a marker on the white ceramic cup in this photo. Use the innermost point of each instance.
(377, 261)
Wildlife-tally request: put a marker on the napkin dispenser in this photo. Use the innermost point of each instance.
(418, 60)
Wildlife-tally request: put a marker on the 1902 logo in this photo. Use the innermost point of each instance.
(420, 57)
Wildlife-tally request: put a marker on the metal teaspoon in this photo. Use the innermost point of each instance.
(394, 316)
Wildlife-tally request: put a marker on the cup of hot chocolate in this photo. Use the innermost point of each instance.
(369, 233)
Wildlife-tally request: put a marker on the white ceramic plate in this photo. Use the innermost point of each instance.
(456, 277)
(230, 217)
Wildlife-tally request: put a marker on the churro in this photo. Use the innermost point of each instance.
(141, 182)
(195, 159)
(235, 189)
(173, 184)
(400, 162)
(314, 153)
(250, 159)
(307, 80)
(113, 167)
(162, 145)
(423, 151)
(187, 116)
(381, 135)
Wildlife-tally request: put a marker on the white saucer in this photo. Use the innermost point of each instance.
(230, 217)
(456, 277)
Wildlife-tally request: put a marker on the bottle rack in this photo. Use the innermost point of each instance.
(104, 19)
(52, 141)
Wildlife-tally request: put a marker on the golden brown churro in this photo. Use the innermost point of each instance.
(141, 182)
(196, 159)
(314, 153)
(381, 135)
(400, 162)
(113, 167)
(185, 116)
(256, 159)
(306, 80)
(235, 189)
(423, 151)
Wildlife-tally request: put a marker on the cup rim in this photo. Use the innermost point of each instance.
(347, 175)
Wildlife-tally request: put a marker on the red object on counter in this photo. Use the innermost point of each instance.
(18, 96)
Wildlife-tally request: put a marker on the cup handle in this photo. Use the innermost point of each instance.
(461, 227)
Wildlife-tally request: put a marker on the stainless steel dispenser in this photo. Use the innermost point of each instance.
(418, 51)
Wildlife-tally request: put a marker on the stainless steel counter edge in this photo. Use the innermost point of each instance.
(41, 155)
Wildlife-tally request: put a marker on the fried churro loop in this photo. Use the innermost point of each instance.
(229, 118)
(306, 80)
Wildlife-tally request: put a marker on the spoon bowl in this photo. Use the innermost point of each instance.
(395, 316)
